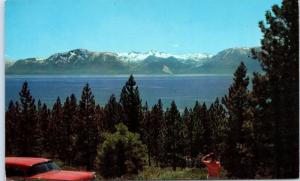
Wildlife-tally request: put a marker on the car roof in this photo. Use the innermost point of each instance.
(24, 161)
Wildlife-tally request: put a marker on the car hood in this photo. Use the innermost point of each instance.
(64, 175)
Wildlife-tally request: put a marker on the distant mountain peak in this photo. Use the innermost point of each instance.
(69, 56)
(150, 62)
(140, 56)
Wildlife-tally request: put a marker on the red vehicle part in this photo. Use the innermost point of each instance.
(41, 168)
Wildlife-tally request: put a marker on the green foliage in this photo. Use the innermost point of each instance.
(27, 136)
(156, 173)
(11, 125)
(112, 114)
(276, 93)
(152, 132)
(39, 137)
(55, 128)
(174, 143)
(207, 129)
(43, 121)
(158, 133)
(70, 118)
(121, 153)
(238, 152)
(131, 103)
(88, 136)
(99, 119)
(188, 134)
(197, 130)
(219, 127)
(147, 131)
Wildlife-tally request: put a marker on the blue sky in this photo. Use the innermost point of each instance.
(39, 28)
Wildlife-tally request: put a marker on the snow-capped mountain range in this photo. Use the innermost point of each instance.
(82, 54)
(82, 61)
(140, 56)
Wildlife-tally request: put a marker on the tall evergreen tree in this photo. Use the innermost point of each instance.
(44, 118)
(56, 134)
(27, 121)
(99, 117)
(88, 136)
(39, 135)
(198, 139)
(131, 103)
(112, 114)
(237, 156)
(174, 137)
(158, 133)
(146, 131)
(218, 121)
(207, 130)
(11, 125)
(69, 119)
(280, 60)
(188, 134)
(157, 130)
(263, 127)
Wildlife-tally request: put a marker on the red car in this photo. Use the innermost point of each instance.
(41, 169)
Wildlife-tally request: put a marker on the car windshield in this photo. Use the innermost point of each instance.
(42, 167)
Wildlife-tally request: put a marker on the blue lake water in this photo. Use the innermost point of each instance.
(183, 89)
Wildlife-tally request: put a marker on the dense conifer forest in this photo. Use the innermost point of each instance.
(254, 132)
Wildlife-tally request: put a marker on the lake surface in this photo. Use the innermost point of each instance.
(184, 89)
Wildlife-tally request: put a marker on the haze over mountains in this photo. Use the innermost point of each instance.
(82, 61)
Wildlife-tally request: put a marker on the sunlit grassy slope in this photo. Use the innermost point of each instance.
(151, 173)
(157, 173)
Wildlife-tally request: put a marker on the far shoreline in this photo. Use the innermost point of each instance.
(109, 75)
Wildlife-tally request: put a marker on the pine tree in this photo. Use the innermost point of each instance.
(218, 121)
(174, 137)
(68, 138)
(87, 131)
(39, 136)
(11, 125)
(131, 103)
(158, 128)
(99, 117)
(201, 136)
(56, 130)
(280, 61)
(26, 141)
(262, 127)
(188, 135)
(159, 133)
(197, 116)
(207, 130)
(44, 119)
(147, 131)
(112, 114)
(238, 154)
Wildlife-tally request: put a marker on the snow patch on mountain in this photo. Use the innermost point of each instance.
(243, 51)
(66, 57)
(83, 54)
(140, 56)
(167, 70)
